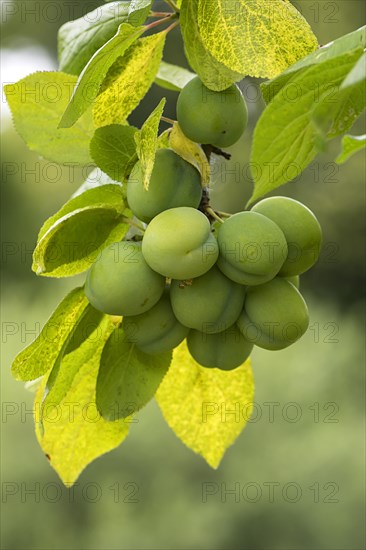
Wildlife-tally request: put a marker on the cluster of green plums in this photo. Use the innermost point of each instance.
(224, 290)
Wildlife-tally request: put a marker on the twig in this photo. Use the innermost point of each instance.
(172, 26)
(209, 149)
(173, 5)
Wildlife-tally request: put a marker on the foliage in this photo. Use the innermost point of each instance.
(80, 114)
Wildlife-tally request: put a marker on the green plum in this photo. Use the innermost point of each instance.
(275, 315)
(252, 248)
(156, 330)
(209, 303)
(121, 283)
(301, 229)
(178, 243)
(205, 116)
(174, 182)
(295, 280)
(226, 351)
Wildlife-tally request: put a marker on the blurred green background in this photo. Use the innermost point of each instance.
(294, 480)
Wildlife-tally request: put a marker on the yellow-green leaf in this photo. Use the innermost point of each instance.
(78, 40)
(206, 408)
(70, 241)
(213, 74)
(90, 80)
(147, 142)
(128, 80)
(37, 103)
(47, 349)
(191, 152)
(352, 41)
(79, 350)
(72, 433)
(163, 139)
(255, 37)
(128, 378)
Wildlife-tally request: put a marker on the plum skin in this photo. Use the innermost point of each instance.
(209, 303)
(157, 330)
(275, 315)
(121, 283)
(208, 117)
(178, 243)
(252, 248)
(225, 351)
(301, 229)
(174, 182)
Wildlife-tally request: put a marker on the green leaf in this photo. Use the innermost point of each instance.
(172, 77)
(129, 80)
(92, 76)
(213, 74)
(72, 434)
(113, 148)
(96, 178)
(342, 45)
(286, 136)
(333, 115)
(191, 152)
(206, 408)
(69, 241)
(256, 38)
(138, 11)
(350, 146)
(147, 142)
(108, 194)
(47, 349)
(128, 378)
(37, 103)
(78, 40)
(356, 76)
(82, 348)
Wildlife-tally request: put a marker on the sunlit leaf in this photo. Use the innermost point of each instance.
(198, 404)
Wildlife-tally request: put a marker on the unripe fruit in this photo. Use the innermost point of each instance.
(121, 283)
(252, 248)
(218, 118)
(156, 330)
(301, 229)
(275, 315)
(226, 350)
(174, 182)
(210, 303)
(178, 243)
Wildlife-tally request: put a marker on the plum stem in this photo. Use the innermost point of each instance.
(213, 214)
(169, 120)
(223, 214)
(134, 224)
(163, 20)
(159, 14)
